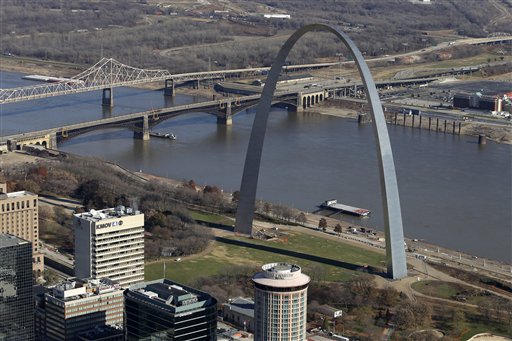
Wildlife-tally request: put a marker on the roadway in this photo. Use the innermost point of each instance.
(430, 49)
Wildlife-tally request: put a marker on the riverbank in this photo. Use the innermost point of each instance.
(40, 67)
(352, 233)
(374, 240)
(499, 133)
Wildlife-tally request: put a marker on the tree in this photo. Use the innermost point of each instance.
(485, 309)
(211, 189)
(29, 185)
(235, 196)
(325, 325)
(413, 315)
(322, 223)
(267, 208)
(388, 297)
(458, 321)
(62, 216)
(50, 277)
(190, 184)
(301, 218)
(404, 318)
(338, 228)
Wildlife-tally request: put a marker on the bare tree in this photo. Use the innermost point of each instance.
(338, 228)
(301, 218)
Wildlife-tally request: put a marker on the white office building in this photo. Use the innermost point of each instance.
(110, 243)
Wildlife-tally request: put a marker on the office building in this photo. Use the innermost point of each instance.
(110, 243)
(18, 216)
(78, 306)
(280, 303)
(106, 333)
(164, 310)
(239, 311)
(16, 294)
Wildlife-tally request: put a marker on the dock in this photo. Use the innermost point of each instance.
(334, 205)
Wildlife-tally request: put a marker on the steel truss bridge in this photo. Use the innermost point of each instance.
(109, 73)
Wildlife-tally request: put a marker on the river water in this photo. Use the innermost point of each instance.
(453, 192)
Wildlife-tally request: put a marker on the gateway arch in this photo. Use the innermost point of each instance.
(395, 251)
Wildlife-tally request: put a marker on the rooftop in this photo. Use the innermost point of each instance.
(19, 194)
(172, 296)
(108, 213)
(75, 289)
(7, 240)
(244, 306)
(281, 275)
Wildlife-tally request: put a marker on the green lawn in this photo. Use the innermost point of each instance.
(474, 328)
(447, 290)
(326, 248)
(225, 256)
(437, 289)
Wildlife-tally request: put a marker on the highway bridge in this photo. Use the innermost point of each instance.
(142, 122)
(109, 73)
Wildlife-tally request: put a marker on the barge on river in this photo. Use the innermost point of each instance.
(333, 205)
(164, 136)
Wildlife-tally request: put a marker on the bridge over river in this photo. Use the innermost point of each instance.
(296, 97)
(142, 122)
(109, 73)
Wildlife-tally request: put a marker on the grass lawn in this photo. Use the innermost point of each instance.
(477, 327)
(225, 256)
(437, 289)
(447, 290)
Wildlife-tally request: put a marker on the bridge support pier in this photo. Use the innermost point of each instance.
(12, 145)
(107, 98)
(169, 88)
(142, 130)
(299, 107)
(226, 119)
(53, 141)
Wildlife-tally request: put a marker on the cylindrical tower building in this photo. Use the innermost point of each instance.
(280, 303)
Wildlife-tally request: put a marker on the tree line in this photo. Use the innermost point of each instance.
(82, 32)
(168, 224)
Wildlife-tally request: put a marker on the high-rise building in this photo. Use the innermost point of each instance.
(19, 217)
(110, 243)
(16, 294)
(163, 310)
(77, 306)
(280, 303)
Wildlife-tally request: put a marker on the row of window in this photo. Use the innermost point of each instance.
(16, 205)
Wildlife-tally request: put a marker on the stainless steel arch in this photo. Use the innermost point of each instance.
(395, 252)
